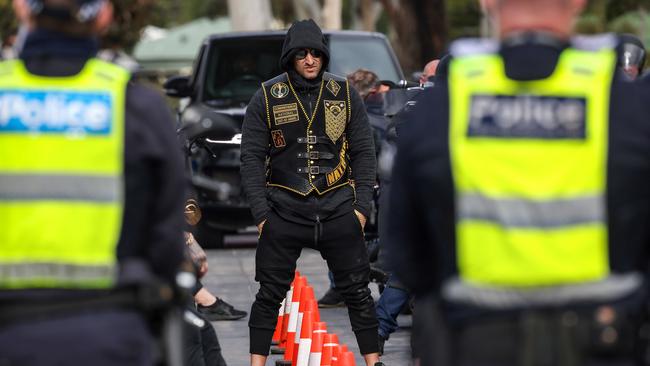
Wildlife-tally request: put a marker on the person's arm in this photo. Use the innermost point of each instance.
(420, 196)
(254, 151)
(362, 155)
(155, 184)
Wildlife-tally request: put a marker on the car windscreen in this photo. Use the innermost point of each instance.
(350, 53)
(237, 67)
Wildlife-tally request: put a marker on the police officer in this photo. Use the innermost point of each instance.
(529, 200)
(313, 130)
(91, 195)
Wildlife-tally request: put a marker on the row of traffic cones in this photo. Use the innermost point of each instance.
(301, 336)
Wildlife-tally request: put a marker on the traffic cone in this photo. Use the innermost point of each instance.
(330, 341)
(284, 322)
(299, 284)
(306, 294)
(312, 305)
(278, 326)
(306, 334)
(287, 311)
(316, 352)
(346, 359)
(337, 353)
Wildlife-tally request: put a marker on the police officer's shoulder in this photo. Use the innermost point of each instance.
(594, 42)
(473, 46)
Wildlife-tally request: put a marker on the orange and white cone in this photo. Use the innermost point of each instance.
(346, 359)
(312, 305)
(306, 334)
(316, 352)
(330, 341)
(292, 325)
(306, 294)
(278, 326)
(287, 311)
(337, 353)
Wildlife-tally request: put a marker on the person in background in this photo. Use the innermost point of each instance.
(316, 190)
(428, 72)
(530, 229)
(91, 196)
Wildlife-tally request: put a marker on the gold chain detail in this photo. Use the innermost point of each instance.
(309, 120)
(266, 100)
(320, 92)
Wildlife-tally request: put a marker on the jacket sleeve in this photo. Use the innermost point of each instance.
(420, 187)
(155, 184)
(254, 151)
(362, 154)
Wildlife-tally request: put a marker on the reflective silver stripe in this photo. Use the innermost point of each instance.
(609, 289)
(512, 212)
(54, 271)
(20, 187)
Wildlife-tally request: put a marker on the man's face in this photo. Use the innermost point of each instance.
(308, 63)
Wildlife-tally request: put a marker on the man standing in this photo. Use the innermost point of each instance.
(316, 189)
(91, 195)
(527, 213)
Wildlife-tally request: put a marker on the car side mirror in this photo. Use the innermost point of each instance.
(178, 87)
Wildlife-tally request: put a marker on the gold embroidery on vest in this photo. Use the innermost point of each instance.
(278, 138)
(335, 117)
(279, 90)
(333, 87)
(336, 174)
(285, 113)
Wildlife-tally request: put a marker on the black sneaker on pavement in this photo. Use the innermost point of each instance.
(221, 310)
(331, 299)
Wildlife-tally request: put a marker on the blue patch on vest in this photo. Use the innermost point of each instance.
(56, 112)
(527, 116)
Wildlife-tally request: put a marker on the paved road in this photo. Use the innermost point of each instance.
(231, 277)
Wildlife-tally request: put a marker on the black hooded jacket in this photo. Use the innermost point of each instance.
(256, 140)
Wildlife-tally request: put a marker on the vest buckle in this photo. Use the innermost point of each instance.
(311, 139)
(313, 155)
(314, 170)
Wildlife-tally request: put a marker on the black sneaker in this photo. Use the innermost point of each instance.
(331, 299)
(220, 310)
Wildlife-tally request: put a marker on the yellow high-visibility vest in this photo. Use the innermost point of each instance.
(61, 176)
(529, 164)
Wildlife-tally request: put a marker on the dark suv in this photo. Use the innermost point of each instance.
(227, 72)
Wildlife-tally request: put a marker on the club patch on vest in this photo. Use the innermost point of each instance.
(335, 117)
(278, 138)
(333, 87)
(285, 113)
(527, 116)
(338, 172)
(279, 90)
(55, 112)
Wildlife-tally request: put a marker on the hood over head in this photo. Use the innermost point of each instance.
(303, 34)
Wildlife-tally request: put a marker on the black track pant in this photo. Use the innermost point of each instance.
(340, 242)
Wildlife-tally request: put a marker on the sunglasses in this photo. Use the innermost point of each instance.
(301, 54)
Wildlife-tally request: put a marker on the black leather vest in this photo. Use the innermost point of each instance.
(308, 153)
